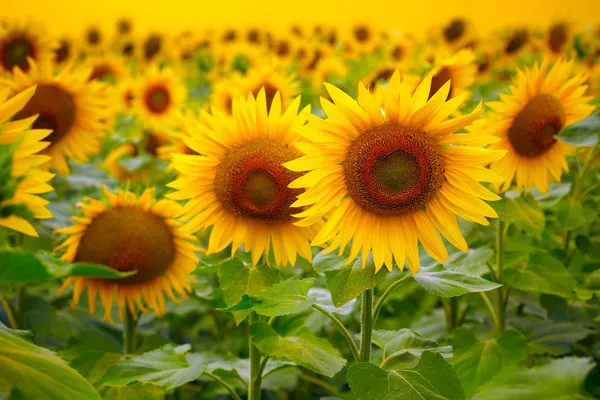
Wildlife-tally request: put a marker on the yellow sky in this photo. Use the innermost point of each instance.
(415, 16)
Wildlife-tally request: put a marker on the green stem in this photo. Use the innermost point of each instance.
(453, 314)
(340, 325)
(501, 305)
(490, 307)
(129, 334)
(381, 301)
(254, 384)
(366, 325)
(9, 313)
(224, 384)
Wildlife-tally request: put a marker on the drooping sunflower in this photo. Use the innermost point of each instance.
(460, 69)
(158, 97)
(129, 233)
(542, 101)
(20, 40)
(238, 186)
(272, 77)
(66, 102)
(26, 160)
(386, 180)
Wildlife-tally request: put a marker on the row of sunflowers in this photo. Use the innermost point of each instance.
(174, 177)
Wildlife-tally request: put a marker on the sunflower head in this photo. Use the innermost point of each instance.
(22, 180)
(388, 174)
(542, 101)
(130, 234)
(107, 68)
(460, 69)
(20, 41)
(273, 78)
(239, 186)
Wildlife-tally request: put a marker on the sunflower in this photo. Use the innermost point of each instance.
(272, 77)
(107, 68)
(124, 26)
(148, 142)
(152, 47)
(129, 233)
(75, 110)
(95, 40)
(514, 42)
(19, 41)
(542, 101)
(387, 180)
(361, 39)
(224, 90)
(66, 51)
(126, 89)
(558, 39)
(239, 186)
(159, 96)
(399, 50)
(31, 181)
(459, 69)
(329, 68)
(458, 33)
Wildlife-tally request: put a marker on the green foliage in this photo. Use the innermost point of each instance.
(449, 283)
(583, 133)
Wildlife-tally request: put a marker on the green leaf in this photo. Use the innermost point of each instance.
(136, 163)
(590, 287)
(237, 279)
(548, 337)
(556, 193)
(587, 247)
(523, 211)
(560, 379)
(304, 348)
(329, 262)
(472, 262)
(322, 297)
(584, 133)
(167, 367)
(19, 267)
(540, 273)
(404, 341)
(432, 379)
(286, 297)
(478, 361)
(573, 216)
(38, 373)
(347, 283)
(134, 392)
(446, 283)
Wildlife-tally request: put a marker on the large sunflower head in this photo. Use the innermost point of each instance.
(273, 78)
(239, 186)
(541, 102)
(20, 41)
(159, 96)
(460, 69)
(25, 145)
(68, 104)
(129, 233)
(389, 175)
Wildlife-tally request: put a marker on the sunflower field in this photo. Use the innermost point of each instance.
(315, 212)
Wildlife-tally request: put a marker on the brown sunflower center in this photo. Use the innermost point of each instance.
(251, 181)
(14, 53)
(62, 52)
(55, 108)
(362, 34)
(384, 75)
(103, 72)
(158, 99)
(128, 49)
(454, 30)
(516, 41)
(93, 36)
(533, 129)
(270, 92)
(152, 46)
(557, 37)
(397, 53)
(393, 169)
(282, 49)
(129, 239)
(439, 80)
(253, 36)
(124, 26)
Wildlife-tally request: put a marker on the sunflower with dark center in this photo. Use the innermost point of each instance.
(460, 69)
(273, 78)
(108, 68)
(64, 52)
(25, 167)
(149, 143)
(68, 104)
(20, 41)
(130, 234)
(94, 38)
(390, 174)
(239, 186)
(159, 96)
(152, 47)
(542, 102)
(516, 42)
(557, 38)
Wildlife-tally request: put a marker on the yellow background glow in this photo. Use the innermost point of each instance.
(415, 16)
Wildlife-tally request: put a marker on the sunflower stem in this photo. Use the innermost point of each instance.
(12, 322)
(347, 336)
(254, 384)
(224, 384)
(381, 302)
(501, 303)
(366, 325)
(129, 334)
(452, 314)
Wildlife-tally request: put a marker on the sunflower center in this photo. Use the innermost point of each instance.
(533, 129)
(103, 72)
(557, 37)
(282, 49)
(393, 169)
(251, 181)
(15, 53)
(93, 37)
(152, 46)
(384, 75)
(270, 92)
(158, 99)
(124, 26)
(362, 34)
(517, 41)
(397, 53)
(128, 49)
(439, 80)
(129, 239)
(454, 30)
(56, 110)
(63, 52)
